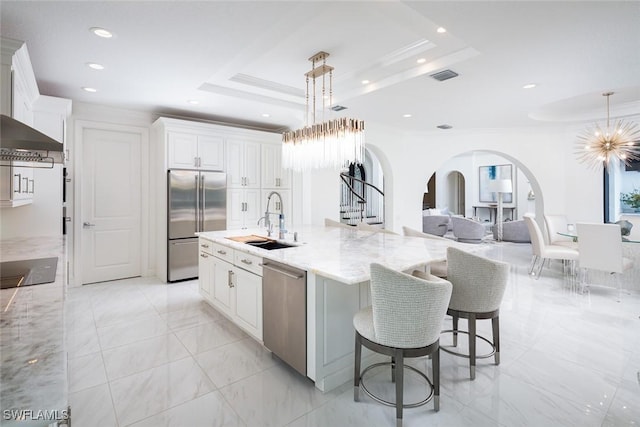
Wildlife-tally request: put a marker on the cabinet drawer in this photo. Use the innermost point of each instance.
(205, 246)
(222, 252)
(248, 262)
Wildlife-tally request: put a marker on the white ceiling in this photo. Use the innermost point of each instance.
(241, 59)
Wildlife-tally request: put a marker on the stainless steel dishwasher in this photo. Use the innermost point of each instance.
(284, 313)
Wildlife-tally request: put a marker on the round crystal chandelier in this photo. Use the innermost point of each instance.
(620, 142)
(333, 143)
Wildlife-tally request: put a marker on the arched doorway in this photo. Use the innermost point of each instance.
(456, 192)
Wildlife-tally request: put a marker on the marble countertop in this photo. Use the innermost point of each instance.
(343, 254)
(33, 356)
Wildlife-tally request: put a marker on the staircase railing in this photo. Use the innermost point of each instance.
(360, 201)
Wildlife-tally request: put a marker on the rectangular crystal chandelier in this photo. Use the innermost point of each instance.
(334, 143)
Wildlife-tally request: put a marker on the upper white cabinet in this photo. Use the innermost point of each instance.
(194, 151)
(17, 187)
(243, 163)
(273, 176)
(243, 207)
(20, 99)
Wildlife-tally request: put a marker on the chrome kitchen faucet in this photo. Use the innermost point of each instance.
(267, 221)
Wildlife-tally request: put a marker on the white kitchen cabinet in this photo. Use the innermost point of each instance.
(248, 289)
(194, 151)
(233, 288)
(243, 164)
(206, 270)
(223, 297)
(273, 176)
(243, 208)
(18, 185)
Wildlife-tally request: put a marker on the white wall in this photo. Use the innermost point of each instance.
(561, 184)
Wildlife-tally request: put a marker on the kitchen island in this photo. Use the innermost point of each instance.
(33, 365)
(336, 261)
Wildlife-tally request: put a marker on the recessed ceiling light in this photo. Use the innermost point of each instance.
(441, 30)
(193, 101)
(266, 115)
(95, 66)
(101, 32)
(406, 116)
(365, 82)
(529, 86)
(421, 60)
(90, 89)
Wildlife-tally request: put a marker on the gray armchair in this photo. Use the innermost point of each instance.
(467, 230)
(513, 231)
(435, 224)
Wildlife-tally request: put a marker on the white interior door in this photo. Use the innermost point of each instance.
(111, 187)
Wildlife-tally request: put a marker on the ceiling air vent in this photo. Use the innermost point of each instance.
(444, 75)
(338, 108)
(444, 126)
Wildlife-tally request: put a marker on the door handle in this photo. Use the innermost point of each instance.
(87, 224)
(198, 205)
(203, 200)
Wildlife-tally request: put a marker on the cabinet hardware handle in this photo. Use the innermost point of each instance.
(87, 224)
(195, 161)
(204, 246)
(222, 252)
(230, 279)
(19, 181)
(246, 261)
(33, 186)
(204, 255)
(26, 185)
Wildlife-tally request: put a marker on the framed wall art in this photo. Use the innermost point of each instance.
(489, 173)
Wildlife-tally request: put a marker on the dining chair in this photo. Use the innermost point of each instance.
(558, 224)
(403, 321)
(437, 268)
(543, 252)
(478, 285)
(600, 247)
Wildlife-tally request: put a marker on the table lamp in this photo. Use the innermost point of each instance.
(500, 186)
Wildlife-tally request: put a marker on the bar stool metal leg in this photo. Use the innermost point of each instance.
(455, 330)
(435, 374)
(399, 359)
(356, 369)
(495, 324)
(472, 345)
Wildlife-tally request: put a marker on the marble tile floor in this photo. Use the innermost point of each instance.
(143, 353)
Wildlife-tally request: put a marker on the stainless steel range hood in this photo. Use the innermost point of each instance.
(20, 142)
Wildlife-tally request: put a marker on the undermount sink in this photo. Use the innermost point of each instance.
(270, 245)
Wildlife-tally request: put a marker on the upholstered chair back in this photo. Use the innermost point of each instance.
(407, 311)
(478, 283)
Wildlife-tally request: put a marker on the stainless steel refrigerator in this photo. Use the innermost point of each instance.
(197, 201)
